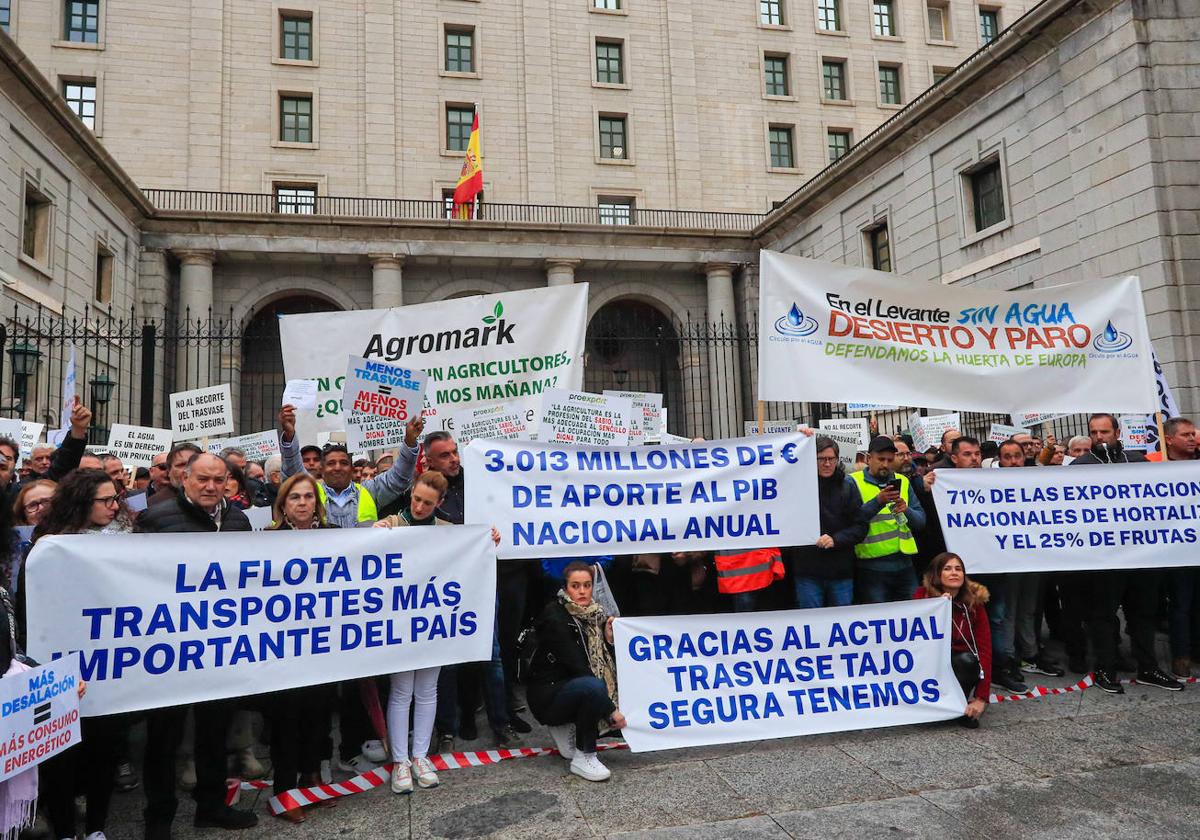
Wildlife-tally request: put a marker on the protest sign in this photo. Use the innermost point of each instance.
(301, 394)
(258, 446)
(854, 426)
(687, 681)
(166, 619)
(847, 441)
(1028, 421)
(999, 433)
(504, 421)
(555, 501)
(136, 446)
(834, 333)
(260, 517)
(770, 427)
(1100, 516)
(39, 715)
(11, 428)
(477, 350)
(928, 431)
(648, 409)
(30, 432)
(377, 401)
(202, 413)
(69, 384)
(1134, 431)
(585, 419)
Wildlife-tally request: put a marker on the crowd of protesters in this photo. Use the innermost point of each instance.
(552, 655)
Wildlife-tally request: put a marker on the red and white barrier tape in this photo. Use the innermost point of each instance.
(299, 797)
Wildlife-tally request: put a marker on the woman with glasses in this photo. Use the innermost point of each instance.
(85, 502)
(31, 504)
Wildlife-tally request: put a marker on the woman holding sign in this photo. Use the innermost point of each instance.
(573, 679)
(299, 716)
(971, 639)
(86, 502)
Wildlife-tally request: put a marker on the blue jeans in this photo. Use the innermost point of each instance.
(1002, 600)
(878, 586)
(582, 701)
(746, 601)
(823, 592)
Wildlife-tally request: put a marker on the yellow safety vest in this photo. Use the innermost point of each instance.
(889, 533)
(367, 512)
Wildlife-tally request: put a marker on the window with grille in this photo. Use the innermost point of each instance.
(460, 50)
(615, 209)
(81, 98)
(298, 199)
(829, 15)
(889, 85)
(883, 16)
(838, 141)
(610, 5)
(770, 12)
(782, 150)
(775, 71)
(987, 195)
(938, 17)
(295, 119)
(612, 138)
(833, 79)
(458, 127)
(989, 25)
(610, 66)
(81, 21)
(295, 32)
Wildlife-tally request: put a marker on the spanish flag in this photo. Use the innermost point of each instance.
(470, 180)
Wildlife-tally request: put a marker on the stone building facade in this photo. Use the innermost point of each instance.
(191, 95)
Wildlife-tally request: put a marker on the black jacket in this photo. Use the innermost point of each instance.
(1099, 456)
(842, 517)
(561, 655)
(65, 458)
(180, 516)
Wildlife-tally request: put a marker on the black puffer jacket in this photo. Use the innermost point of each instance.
(1112, 455)
(843, 518)
(561, 656)
(180, 516)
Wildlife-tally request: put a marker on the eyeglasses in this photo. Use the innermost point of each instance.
(107, 501)
(30, 507)
(827, 460)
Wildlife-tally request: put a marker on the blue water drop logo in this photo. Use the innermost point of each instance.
(796, 317)
(795, 323)
(1112, 340)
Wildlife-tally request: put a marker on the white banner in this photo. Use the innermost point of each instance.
(258, 447)
(928, 431)
(1103, 516)
(504, 421)
(770, 427)
(164, 619)
(202, 413)
(136, 446)
(554, 501)
(836, 333)
(510, 346)
(378, 399)
(1166, 405)
(585, 419)
(686, 681)
(648, 407)
(854, 426)
(39, 715)
(998, 432)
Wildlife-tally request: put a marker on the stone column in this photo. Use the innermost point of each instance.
(724, 362)
(387, 281)
(560, 272)
(194, 369)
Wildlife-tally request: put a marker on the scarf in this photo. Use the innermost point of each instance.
(407, 516)
(591, 620)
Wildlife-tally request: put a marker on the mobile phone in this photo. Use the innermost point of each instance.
(894, 484)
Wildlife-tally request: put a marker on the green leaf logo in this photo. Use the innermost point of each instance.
(496, 313)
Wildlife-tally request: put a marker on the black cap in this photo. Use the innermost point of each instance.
(882, 443)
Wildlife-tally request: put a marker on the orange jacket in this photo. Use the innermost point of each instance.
(748, 572)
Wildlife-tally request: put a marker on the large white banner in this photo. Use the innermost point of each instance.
(686, 681)
(1050, 519)
(565, 501)
(839, 333)
(164, 619)
(491, 348)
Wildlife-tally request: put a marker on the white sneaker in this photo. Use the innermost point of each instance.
(401, 777)
(326, 772)
(96, 835)
(564, 739)
(586, 765)
(426, 774)
(374, 751)
(358, 765)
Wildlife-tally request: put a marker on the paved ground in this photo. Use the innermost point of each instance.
(1078, 765)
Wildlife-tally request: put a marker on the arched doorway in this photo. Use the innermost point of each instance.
(262, 361)
(631, 346)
